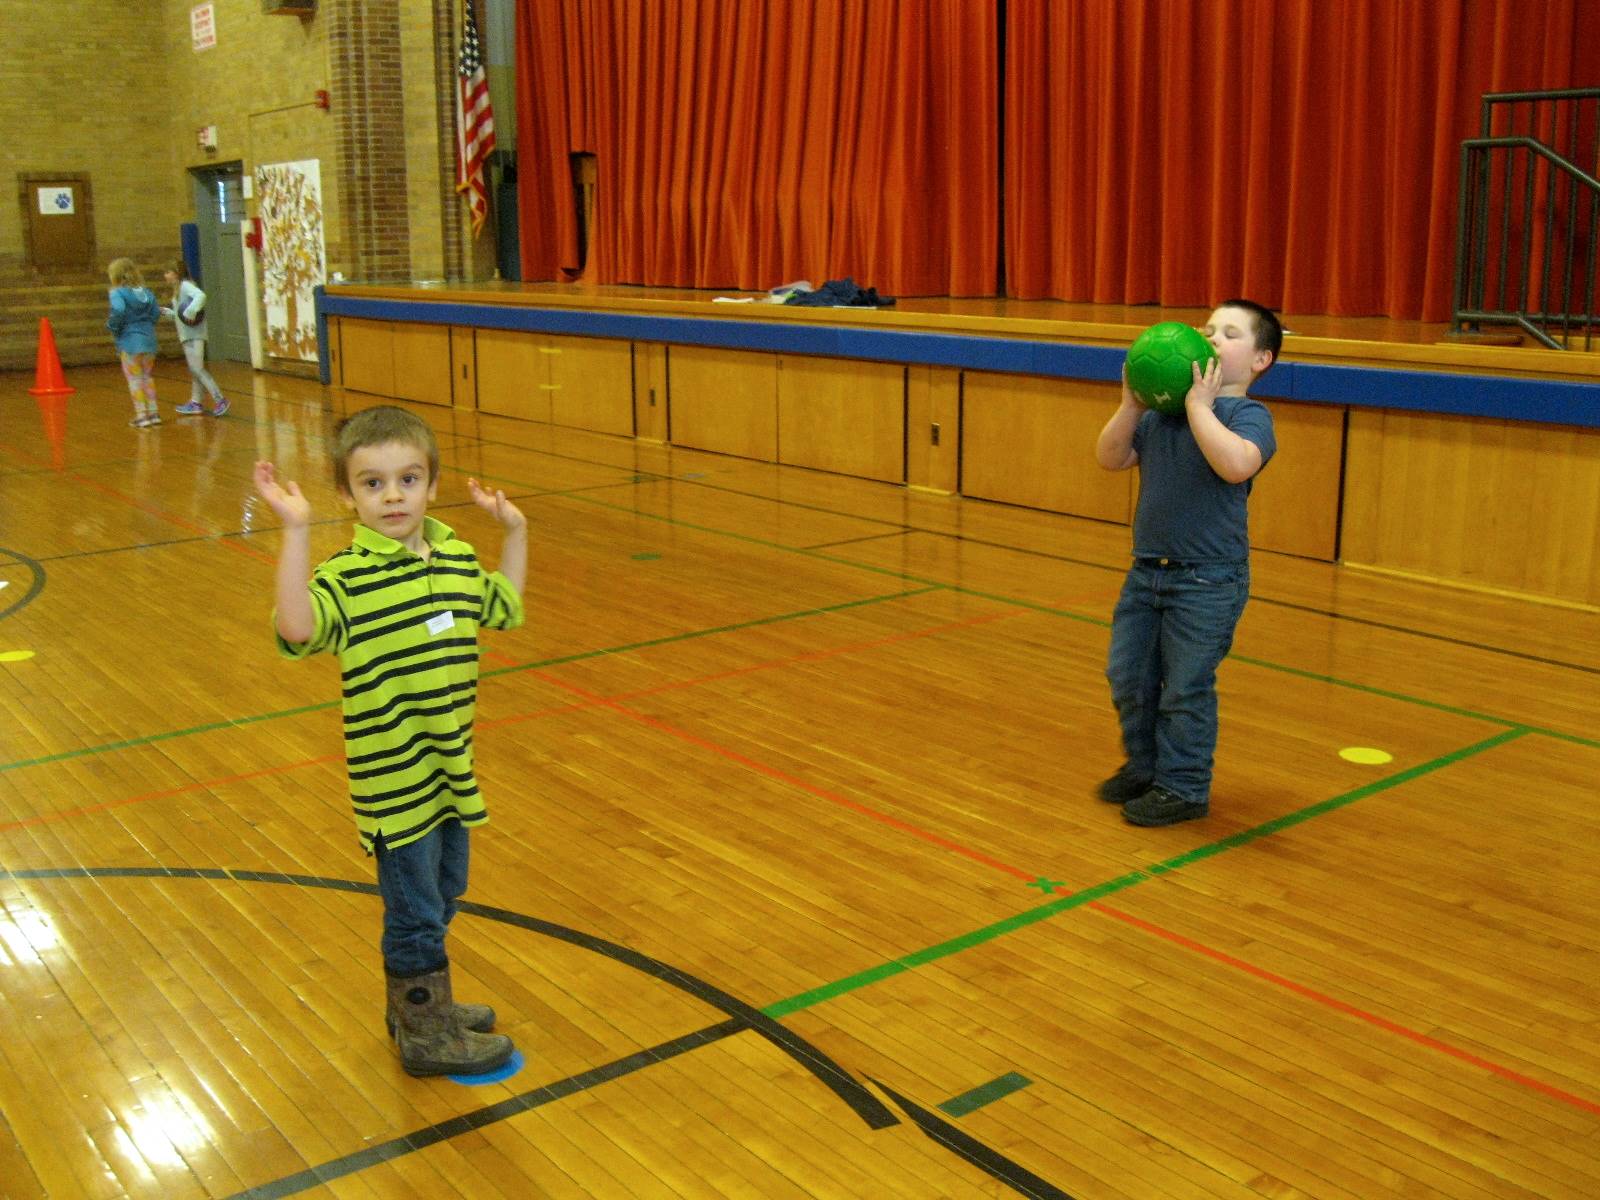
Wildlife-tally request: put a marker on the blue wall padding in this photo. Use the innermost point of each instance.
(1507, 397)
(189, 245)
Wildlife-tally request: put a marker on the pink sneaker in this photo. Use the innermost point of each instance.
(221, 408)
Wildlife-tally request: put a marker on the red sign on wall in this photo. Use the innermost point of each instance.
(203, 26)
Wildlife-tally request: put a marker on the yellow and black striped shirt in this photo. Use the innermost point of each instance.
(406, 633)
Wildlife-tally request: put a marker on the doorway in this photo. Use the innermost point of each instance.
(58, 219)
(219, 221)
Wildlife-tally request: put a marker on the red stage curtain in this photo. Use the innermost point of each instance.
(1301, 152)
(747, 143)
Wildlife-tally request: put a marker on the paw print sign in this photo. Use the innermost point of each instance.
(56, 201)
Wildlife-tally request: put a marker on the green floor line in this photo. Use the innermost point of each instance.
(1032, 916)
(1288, 820)
(151, 738)
(903, 576)
(213, 726)
(667, 639)
(1317, 677)
(1068, 614)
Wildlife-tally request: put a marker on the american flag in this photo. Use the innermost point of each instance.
(474, 120)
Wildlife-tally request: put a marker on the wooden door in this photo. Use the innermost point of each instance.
(59, 233)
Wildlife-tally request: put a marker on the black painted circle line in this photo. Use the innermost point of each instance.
(35, 585)
(844, 1085)
(741, 1017)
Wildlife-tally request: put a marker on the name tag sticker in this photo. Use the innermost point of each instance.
(439, 622)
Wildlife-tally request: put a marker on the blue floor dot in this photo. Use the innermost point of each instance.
(513, 1065)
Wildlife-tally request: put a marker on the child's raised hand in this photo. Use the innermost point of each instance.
(497, 506)
(293, 509)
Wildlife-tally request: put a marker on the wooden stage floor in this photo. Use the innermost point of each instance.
(795, 883)
(1364, 341)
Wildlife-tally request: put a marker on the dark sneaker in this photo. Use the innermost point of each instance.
(1158, 806)
(1127, 784)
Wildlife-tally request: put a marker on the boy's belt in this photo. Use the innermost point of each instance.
(1166, 563)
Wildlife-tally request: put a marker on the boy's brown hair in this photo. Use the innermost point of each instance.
(377, 427)
(1268, 329)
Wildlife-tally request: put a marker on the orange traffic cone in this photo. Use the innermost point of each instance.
(47, 376)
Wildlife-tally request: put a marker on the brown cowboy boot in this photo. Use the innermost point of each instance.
(430, 1042)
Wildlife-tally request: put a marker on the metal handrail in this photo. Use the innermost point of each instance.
(1532, 315)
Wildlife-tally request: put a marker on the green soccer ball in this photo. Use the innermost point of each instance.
(1160, 362)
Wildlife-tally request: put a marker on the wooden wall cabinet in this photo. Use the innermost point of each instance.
(725, 401)
(591, 383)
(1030, 441)
(403, 359)
(1498, 505)
(838, 415)
(584, 383)
(844, 416)
(367, 351)
(933, 429)
(1294, 503)
(511, 370)
(463, 367)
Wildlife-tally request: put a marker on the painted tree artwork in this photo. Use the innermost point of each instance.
(293, 255)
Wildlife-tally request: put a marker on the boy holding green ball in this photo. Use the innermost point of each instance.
(1190, 578)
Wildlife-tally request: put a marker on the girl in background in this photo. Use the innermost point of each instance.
(189, 311)
(134, 313)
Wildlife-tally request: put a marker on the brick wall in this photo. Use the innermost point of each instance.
(116, 90)
(79, 84)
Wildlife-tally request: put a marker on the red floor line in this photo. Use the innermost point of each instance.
(515, 718)
(164, 793)
(793, 781)
(591, 700)
(1350, 1010)
(1158, 931)
(174, 519)
(152, 510)
(821, 655)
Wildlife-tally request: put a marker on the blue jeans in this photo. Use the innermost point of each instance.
(1171, 629)
(420, 884)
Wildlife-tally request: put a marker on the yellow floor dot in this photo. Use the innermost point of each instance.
(15, 655)
(1366, 755)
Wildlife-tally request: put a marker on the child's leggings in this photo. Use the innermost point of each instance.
(139, 371)
(194, 352)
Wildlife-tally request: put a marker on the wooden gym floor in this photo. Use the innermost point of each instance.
(795, 883)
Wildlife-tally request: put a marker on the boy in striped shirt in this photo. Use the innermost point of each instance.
(401, 607)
